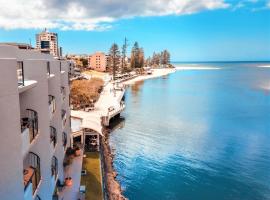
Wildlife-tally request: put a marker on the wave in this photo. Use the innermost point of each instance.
(264, 66)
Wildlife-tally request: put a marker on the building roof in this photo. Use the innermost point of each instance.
(19, 45)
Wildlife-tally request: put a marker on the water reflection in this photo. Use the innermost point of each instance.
(135, 88)
(117, 123)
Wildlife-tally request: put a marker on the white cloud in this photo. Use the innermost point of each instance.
(268, 4)
(92, 14)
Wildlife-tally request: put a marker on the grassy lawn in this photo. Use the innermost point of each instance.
(92, 180)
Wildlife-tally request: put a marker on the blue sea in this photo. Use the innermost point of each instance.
(196, 135)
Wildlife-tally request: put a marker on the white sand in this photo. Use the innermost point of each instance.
(156, 73)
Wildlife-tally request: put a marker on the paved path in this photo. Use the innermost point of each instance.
(108, 98)
(74, 171)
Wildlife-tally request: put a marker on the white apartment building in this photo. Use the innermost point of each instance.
(47, 42)
(34, 125)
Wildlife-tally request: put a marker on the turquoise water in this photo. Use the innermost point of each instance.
(198, 134)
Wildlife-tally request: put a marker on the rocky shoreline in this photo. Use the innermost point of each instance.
(114, 191)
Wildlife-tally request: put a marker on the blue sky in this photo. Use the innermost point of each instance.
(211, 30)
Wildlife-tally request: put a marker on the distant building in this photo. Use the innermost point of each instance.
(47, 42)
(98, 61)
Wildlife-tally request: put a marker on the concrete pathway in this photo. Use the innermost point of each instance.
(73, 171)
(108, 98)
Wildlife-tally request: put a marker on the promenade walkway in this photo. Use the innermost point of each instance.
(74, 171)
(108, 105)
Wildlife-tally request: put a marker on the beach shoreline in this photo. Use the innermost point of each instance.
(155, 74)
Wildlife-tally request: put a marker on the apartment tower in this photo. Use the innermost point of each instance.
(47, 42)
(34, 125)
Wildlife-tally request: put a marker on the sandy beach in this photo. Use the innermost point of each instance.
(156, 73)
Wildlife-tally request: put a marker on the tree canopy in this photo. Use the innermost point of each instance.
(137, 56)
(114, 58)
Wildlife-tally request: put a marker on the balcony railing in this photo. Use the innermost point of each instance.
(64, 117)
(52, 105)
(53, 136)
(31, 172)
(54, 167)
(20, 73)
(30, 122)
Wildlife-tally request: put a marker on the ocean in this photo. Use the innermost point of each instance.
(196, 134)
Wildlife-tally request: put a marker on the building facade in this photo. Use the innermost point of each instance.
(98, 62)
(47, 42)
(34, 125)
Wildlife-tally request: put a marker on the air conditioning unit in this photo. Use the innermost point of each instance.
(82, 189)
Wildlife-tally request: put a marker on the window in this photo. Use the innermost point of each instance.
(52, 103)
(48, 69)
(53, 135)
(45, 44)
(20, 73)
(64, 138)
(64, 117)
(63, 92)
(32, 120)
(31, 172)
(54, 167)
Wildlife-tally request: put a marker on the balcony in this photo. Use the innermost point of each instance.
(31, 173)
(52, 106)
(53, 136)
(63, 93)
(23, 84)
(64, 118)
(29, 129)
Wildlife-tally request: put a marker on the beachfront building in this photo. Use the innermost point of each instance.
(34, 125)
(98, 62)
(47, 42)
